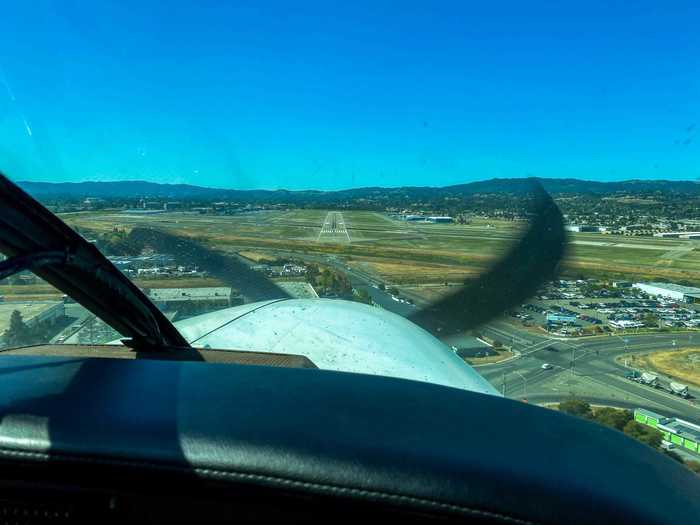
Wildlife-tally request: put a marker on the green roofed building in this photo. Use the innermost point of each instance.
(677, 431)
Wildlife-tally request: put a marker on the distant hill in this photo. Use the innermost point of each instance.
(138, 189)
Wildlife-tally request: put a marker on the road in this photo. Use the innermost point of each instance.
(595, 375)
(359, 279)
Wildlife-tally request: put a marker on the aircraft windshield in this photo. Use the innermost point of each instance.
(363, 185)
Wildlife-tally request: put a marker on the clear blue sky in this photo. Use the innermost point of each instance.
(339, 94)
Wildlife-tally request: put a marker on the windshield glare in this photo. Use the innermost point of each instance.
(363, 185)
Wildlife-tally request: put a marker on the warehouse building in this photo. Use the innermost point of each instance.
(676, 431)
(298, 289)
(677, 292)
(192, 301)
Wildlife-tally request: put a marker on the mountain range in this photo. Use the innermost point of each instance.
(143, 189)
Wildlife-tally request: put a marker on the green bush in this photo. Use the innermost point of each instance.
(576, 407)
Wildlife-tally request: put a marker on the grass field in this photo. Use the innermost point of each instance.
(46, 292)
(682, 364)
(408, 253)
(501, 355)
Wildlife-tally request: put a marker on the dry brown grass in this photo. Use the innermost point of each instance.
(429, 293)
(255, 256)
(404, 272)
(681, 364)
(30, 292)
(649, 273)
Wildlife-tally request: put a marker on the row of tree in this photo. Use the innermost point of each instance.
(622, 420)
(328, 282)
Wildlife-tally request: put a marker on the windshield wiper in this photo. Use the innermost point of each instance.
(35, 239)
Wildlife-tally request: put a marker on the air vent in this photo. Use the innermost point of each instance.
(21, 513)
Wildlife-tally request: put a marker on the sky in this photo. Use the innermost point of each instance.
(330, 95)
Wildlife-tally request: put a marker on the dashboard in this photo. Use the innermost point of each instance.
(109, 439)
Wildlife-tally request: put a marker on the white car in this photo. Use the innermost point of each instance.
(547, 366)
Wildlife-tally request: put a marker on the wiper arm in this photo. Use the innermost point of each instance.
(36, 239)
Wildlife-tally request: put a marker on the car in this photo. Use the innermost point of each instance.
(547, 366)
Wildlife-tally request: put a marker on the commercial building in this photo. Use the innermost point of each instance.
(579, 228)
(192, 299)
(679, 432)
(298, 289)
(560, 318)
(677, 292)
(434, 219)
(621, 284)
(678, 235)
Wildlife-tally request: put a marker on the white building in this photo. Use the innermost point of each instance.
(624, 324)
(678, 235)
(207, 297)
(677, 292)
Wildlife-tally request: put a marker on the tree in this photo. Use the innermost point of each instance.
(694, 466)
(17, 334)
(362, 296)
(612, 417)
(643, 433)
(650, 320)
(312, 272)
(576, 407)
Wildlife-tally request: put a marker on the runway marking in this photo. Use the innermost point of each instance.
(333, 225)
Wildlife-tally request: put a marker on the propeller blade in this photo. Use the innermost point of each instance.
(530, 263)
(252, 285)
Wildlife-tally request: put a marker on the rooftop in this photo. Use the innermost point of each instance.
(298, 289)
(673, 287)
(682, 428)
(189, 294)
(649, 413)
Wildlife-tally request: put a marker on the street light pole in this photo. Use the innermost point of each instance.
(524, 384)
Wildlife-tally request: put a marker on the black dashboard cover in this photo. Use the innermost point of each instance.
(438, 450)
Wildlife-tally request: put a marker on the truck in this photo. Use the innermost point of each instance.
(679, 389)
(649, 379)
(632, 375)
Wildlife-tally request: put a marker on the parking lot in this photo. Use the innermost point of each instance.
(578, 308)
